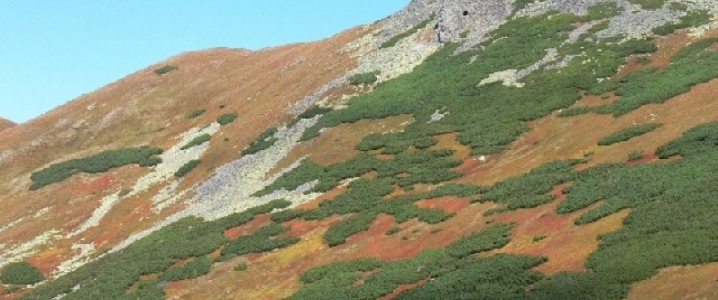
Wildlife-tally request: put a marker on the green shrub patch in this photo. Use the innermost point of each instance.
(628, 133)
(20, 273)
(98, 163)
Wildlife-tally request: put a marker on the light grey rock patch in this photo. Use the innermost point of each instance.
(438, 115)
(231, 187)
(106, 204)
(511, 77)
(21, 251)
(638, 24)
(84, 256)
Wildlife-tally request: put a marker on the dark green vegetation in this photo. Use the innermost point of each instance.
(98, 163)
(309, 113)
(264, 141)
(521, 4)
(635, 155)
(197, 267)
(488, 117)
(165, 69)
(113, 275)
(241, 267)
(575, 111)
(690, 66)
(20, 273)
(672, 204)
(195, 113)
(366, 198)
(261, 241)
(227, 118)
(392, 41)
(672, 222)
(649, 4)
(186, 168)
(628, 133)
(602, 11)
(691, 19)
(197, 141)
(531, 189)
(453, 273)
(363, 78)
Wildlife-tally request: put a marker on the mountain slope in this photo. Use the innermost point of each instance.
(5, 124)
(500, 149)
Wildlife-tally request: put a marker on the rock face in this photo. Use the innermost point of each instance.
(468, 22)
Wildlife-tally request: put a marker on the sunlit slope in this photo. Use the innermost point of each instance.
(566, 152)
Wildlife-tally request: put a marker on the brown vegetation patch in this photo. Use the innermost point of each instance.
(449, 141)
(678, 282)
(146, 109)
(93, 186)
(667, 47)
(450, 204)
(542, 232)
(553, 138)
(275, 275)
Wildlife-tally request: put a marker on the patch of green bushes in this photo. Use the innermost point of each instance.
(197, 267)
(393, 230)
(227, 118)
(575, 111)
(628, 133)
(240, 267)
(98, 163)
(451, 272)
(195, 113)
(363, 78)
(165, 69)
(602, 11)
(186, 168)
(649, 4)
(531, 189)
(635, 155)
(691, 19)
(197, 141)
(487, 118)
(265, 140)
(493, 237)
(365, 198)
(22, 273)
(263, 240)
(113, 274)
(688, 68)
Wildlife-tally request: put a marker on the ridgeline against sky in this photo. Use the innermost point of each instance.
(55, 51)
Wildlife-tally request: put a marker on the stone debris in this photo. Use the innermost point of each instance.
(106, 204)
(231, 187)
(438, 115)
(84, 256)
(21, 251)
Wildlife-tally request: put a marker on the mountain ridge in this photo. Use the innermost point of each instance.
(5, 124)
(365, 148)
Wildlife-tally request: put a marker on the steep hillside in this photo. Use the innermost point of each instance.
(463, 149)
(5, 124)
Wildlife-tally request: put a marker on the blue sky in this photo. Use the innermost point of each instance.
(53, 51)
